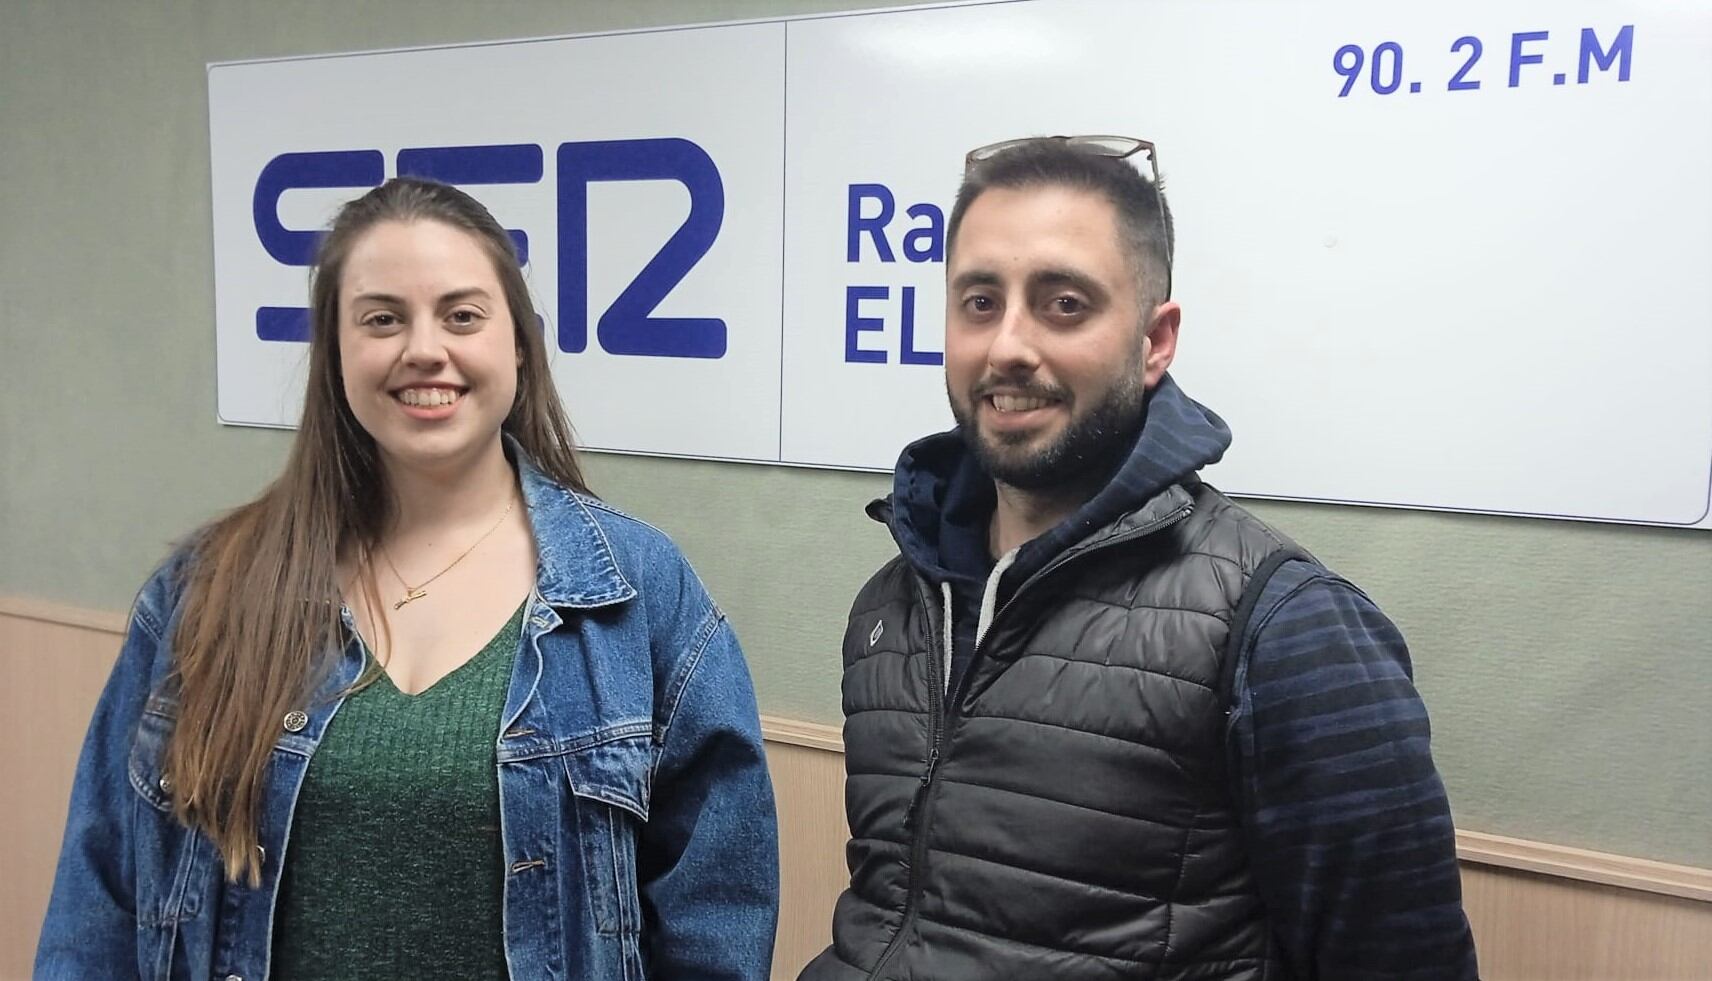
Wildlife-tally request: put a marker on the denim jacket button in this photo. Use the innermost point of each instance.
(233, 977)
(165, 784)
(295, 721)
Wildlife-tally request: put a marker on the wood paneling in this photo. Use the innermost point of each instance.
(809, 784)
(51, 674)
(1533, 927)
(1540, 912)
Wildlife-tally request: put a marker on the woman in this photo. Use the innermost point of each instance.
(425, 708)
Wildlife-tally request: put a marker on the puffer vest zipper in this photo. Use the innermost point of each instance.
(1065, 813)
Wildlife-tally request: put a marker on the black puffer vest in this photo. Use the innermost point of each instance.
(1070, 817)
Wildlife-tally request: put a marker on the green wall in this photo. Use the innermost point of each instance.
(1568, 666)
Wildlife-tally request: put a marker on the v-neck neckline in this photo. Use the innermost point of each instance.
(513, 624)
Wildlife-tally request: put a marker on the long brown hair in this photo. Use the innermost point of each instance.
(260, 627)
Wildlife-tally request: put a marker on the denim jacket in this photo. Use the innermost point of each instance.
(636, 810)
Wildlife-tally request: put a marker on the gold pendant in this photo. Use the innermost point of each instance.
(410, 597)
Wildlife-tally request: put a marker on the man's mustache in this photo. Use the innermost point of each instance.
(1025, 388)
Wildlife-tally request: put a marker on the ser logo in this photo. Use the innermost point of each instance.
(628, 327)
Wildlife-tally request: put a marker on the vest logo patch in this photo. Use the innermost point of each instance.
(879, 628)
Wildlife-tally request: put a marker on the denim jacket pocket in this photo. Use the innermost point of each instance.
(610, 781)
(170, 865)
(148, 753)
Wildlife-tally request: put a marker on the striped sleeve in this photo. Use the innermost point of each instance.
(1346, 820)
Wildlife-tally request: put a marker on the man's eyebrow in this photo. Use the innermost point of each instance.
(1066, 277)
(974, 277)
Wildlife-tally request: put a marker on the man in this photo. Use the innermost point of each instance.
(1101, 721)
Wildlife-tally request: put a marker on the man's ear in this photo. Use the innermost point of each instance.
(1159, 341)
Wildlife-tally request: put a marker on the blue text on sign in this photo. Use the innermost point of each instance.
(628, 326)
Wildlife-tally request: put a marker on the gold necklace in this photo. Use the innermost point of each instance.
(414, 593)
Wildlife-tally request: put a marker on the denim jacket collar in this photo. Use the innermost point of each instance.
(628, 749)
(576, 566)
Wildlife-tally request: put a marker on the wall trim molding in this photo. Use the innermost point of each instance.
(60, 614)
(1561, 861)
(809, 735)
(1644, 875)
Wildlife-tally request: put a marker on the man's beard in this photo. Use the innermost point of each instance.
(1086, 453)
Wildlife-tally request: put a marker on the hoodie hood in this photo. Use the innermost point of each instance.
(938, 481)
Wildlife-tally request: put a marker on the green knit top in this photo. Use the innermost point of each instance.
(394, 866)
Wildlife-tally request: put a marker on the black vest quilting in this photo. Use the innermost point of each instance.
(1076, 821)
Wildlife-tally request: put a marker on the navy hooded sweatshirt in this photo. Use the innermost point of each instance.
(1347, 823)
